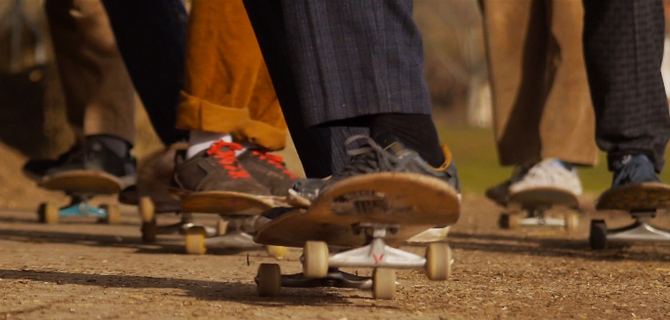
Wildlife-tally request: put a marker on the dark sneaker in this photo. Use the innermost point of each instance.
(269, 170)
(96, 156)
(35, 169)
(215, 169)
(383, 154)
(631, 169)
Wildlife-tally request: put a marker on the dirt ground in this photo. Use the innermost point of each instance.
(82, 270)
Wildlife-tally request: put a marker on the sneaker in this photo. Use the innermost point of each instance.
(500, 192)
(215, 169)
(371, 157)
(35, 169)
(383, 154)
(630, 169)
(552, 173)
(96, 156)
(268, 169)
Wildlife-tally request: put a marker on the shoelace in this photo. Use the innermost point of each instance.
(275, 160)
(225, 152)
(369, 157)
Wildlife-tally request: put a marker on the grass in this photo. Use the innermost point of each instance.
(476, 157)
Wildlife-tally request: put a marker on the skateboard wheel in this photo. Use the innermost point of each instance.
(113, 213)
(315, 263)
(269, 280)
(571, 221)
(509, 221)
(383, 285)
(438, 261)
(149, 231)
(195, 240)
(48, 213)
(278, 252)
(598, 235)
(147, 209)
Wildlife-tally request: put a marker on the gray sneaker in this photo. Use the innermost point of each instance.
(371, 157)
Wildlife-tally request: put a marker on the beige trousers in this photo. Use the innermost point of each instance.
(541, 103)
(99, 94)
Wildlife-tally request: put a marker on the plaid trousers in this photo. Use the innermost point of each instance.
(623, 50)
(335, 61)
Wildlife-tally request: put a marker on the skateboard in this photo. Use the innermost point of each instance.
(152, 194)
(237, 211)
(81, 186)
(153, 197)
(641, 201)
(528, 209)
(367, 216)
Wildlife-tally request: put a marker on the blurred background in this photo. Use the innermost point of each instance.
(33, 123)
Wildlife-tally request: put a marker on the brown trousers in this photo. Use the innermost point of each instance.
(541, 103)
(227, 87)
(99, 94)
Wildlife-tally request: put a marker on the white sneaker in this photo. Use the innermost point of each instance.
(549, 173)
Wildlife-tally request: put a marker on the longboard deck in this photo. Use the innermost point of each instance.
(225, 203)
(413, 202)
(543, 197)
(83, 182)
(636, 197)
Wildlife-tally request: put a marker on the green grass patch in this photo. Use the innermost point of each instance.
(476, 157)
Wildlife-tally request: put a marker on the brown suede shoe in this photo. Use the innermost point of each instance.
(269, 170)
(215, 169)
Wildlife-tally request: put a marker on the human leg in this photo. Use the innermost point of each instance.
(337, 76)
(541, 103)
(229, 104)
(151, 36)
(99, 95)
(623, 49)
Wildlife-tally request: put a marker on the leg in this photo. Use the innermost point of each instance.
(228, 96)
(623, 49)
(320, 149)
(151, 36)
(542, 113)
(99, 94)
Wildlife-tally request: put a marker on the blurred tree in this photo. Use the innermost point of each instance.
(455, 58)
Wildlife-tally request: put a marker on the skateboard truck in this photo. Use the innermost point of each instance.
(377, 254)
(334, 279)
(228, 234)
(79, 207)
(150, 228)
(640, 231)
(318, 265)
(536, 217)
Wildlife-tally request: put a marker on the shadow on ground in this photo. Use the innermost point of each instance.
(202, 290)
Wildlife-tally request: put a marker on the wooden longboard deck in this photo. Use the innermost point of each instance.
(225, 203)
(413, 202)
(83, 182)
(636, 197)
(544, 197)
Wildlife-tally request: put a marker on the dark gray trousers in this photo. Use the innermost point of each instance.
(335, 61)
(623, 49)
